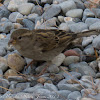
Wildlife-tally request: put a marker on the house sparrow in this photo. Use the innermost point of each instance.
(43, 45)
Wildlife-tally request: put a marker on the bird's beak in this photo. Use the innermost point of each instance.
(11, 42)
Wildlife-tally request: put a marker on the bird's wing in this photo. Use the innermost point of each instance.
(50, 39)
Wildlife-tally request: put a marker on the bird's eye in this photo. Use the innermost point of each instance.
(19, 37)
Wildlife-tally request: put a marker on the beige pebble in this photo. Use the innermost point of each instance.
(3, 64)
(10, 72)
(15, 62)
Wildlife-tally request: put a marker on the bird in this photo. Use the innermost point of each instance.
(44, 44)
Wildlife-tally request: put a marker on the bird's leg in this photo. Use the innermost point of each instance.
(44, 69)
(96, 54)
(30, 64)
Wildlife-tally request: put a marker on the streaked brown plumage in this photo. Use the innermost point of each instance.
(43, 44)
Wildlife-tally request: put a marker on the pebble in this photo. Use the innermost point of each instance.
(17, 25)
(46, 1)
(63, 94)
(13, 16)
(58, 60)
(10, 72)
(70, 59)
(85, 98)
(94, 65)
(6, 26)
(67, 5)
(71, 53)
(53, 11)
(61, 18)
(13, 4)
(78, 27)
(4, 84)
(28, 24)
(32, 17)
(74, 95)
(15, 62)
(82, 68)
(37, 9)
(4, 12)
(90, 21)
(96, 42)
(95, 26)
(3, 64)
(75, 13)
(87, 40)
(50, 87)
(25, 8)
(64, 26)
(53, 68)
(63, 85)
(89, 50)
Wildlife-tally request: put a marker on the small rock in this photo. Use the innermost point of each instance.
(87, 40)
(17, 25)
(50, 87)
(53, 11)
(78, 27)
(90, 21)
(4, 83)
(4, 12)
(94, 65)
(28, 24)
(67, 5)
(71, 53)
(87, 13)
(63, 85)
(79, 4)
(96, 42)
(9, 99)
(74, 95)
(32, 17)
(53, 68)
(70, 59)
(3, 52)
(75, 13)
(85, 98)
(23, 86)
(15, 62)
(37, 9)
(1, 73)
(41, 80)
(95, 26)
(6, 27)
(13, 16)
(89, 50)
(13, 4)
(17, 78)
(58, 60)
(61, 18)
(3, 64)
(82, 68)
(10, 72)
(64, 26)
(46, 1)
(25, 8)
(63, 93)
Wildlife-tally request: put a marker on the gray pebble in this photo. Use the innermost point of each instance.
(28, 24)
(67, 5)
(78, 27)
(90, 21)
(13, 16)
(95, 26)
(64, 26)
(75, 13)
(76, 95)
(54, 10)
(50, 87)
(83, 68)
